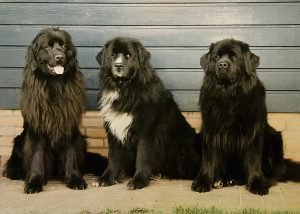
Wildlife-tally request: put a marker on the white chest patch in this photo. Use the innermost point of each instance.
(119, 123)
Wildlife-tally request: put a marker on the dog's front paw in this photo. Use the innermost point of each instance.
(34, 184)
(258, 186)
(33, 187)
(76, 182)
(200, 186)
(137, 183)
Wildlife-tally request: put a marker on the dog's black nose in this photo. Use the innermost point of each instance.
(118, 66)
(223, 65)
(59, 58)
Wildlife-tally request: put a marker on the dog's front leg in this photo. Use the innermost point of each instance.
(74, 157)
(34, 163)
(144, 164)
(116, 164)
(209, 170)
(256, 183)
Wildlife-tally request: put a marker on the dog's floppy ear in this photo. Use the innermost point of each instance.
(143, 54)
(205, 59)
(250, 59)
(99, 57)
(144, 62)
(71, 52)
(71, 55)
(32, 53)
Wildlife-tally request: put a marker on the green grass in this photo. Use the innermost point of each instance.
(193, 210)
(213, 210)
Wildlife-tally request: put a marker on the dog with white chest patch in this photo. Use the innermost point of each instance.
(147, 134)
(118, 122)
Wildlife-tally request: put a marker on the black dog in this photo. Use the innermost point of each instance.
(238, 142)
(52, 103)
(147, 133)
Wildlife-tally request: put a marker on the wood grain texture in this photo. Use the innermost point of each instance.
(177, 57)
(150, 14)
(161, 36)
(176, 32)
(174, 79)
(149, 1)
(187, 100)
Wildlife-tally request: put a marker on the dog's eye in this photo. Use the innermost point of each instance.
(217, 58)
(235, 58)
(113, 55)
(127, 56)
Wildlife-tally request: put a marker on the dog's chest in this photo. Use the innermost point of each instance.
(118, 122)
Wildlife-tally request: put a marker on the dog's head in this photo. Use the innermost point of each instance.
(124, 59)
(52, 53)
(228, 60)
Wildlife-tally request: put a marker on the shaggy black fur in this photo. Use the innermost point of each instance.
(52, 104)
(147, 133)
(238, 142)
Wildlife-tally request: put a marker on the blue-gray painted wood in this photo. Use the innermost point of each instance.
(170, 57)
(187, 100)
(161, 36)
(9, 98)
(174, 79)
(176, 32)
(147, 14)
(150, 1)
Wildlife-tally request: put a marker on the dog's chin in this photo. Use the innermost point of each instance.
(120, 79)
(225, 80)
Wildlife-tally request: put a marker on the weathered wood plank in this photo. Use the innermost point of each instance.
(176, 32)
(166, 57)
(163, 36)
(190, 57)
(150, 1)
(192, 80)
(150, 14)
(180, 79)
(9, 98)
(276, 101)
(187, 100)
